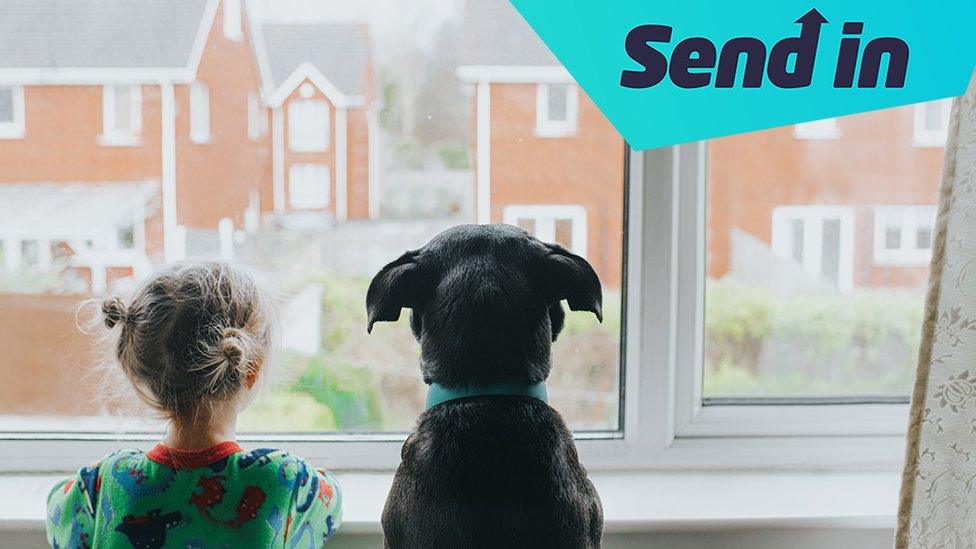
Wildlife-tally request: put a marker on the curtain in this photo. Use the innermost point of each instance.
(938, 493)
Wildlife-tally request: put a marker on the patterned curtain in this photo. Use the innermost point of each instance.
(938, 494)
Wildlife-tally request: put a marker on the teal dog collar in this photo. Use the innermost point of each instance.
(438, 394)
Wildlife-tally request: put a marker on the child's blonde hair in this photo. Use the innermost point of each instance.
(191, 335)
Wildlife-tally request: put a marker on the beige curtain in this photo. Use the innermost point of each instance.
(938, 494)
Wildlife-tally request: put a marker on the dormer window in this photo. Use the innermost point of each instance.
(557, 110)
(121, 114)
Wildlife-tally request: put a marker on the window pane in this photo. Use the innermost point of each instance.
(123, 102)
(819, 313)
(316, 223)
(558, 102)
(6, 105)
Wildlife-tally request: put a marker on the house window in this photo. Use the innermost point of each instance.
(11, 112)
(932, 123)
(825, 129)
(232, 20)
(257, 117)
(308, 125)
(557, 109)
(199, 113)
(121, 114)
(818, 239)
(308, 186)
(903, 235)
(562, 224)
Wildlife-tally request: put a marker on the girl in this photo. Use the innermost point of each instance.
(193, 342)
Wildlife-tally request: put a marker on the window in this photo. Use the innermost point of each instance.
(564, 225)
(308, 186)
(121, 114)
(817, 239)
(903, 235)
(308, 125)
(232, 20)
(199, 113)
(932, 123)
(817, 130)
(557, 109)
(257, 117)
(11, 112)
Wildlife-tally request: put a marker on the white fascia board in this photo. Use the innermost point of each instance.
(514, 74)
(307, 71)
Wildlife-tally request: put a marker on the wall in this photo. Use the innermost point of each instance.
(873, 161)
(587, 169)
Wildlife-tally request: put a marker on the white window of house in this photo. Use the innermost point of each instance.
(199, 113)
(825, 129)
(308, 125)
(257, 117)
(932, 123)
(903, 235)
(820, 239)
(232, 20)
(308, 186)
(563, 224)
(121, 114)
(11, 112)
(557, 109)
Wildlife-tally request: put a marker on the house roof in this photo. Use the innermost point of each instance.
(70, 210)
(340, 52)
(98, 34)
(495, 34)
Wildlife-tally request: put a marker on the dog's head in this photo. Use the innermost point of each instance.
(485, 302)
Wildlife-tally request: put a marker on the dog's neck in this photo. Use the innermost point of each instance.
(439, 394)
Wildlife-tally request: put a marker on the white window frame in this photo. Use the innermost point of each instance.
(667, 427)
(233, 20)
(15, 129)
(300, 137)
(546, 128)
(305, 200)
(910, 217)
(111, 135)
(813, 217)
(817, 130)
(200, 118)
(545, 217)
(929, 138)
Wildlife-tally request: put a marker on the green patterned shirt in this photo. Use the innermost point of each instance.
(218, 497)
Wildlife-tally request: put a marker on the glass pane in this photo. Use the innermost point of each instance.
(564, 233)
(410, 171)
(935, 116)
(527, 224)
(558, 107)
(123, 104)
(923, 235)
(847, 324)
(6, 105)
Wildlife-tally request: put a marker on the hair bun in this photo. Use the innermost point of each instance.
(114, 312)
(232, 346)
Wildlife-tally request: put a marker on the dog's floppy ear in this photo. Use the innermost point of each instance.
(392, 289)
(570, 277)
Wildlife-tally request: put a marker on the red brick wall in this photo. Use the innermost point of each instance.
(587, 170)
(873, 163)
(214, 179)
(63, 124)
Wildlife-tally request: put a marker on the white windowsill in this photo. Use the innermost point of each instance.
(632, 502)
(107, 140)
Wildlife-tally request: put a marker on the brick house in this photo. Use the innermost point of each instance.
(545, 158)
(126, 125)
(807, 201)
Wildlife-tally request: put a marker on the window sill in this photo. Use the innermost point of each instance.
(632, 502)
(118, 141)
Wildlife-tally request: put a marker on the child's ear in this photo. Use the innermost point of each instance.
(252, 376)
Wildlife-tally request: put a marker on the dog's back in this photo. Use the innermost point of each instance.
(488, 471)
(494, 471)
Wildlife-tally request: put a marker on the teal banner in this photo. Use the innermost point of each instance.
(668, 72)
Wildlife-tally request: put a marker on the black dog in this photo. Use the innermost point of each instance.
(492, 470)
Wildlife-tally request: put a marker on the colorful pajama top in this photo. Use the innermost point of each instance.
(218, 497)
